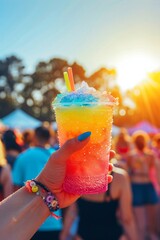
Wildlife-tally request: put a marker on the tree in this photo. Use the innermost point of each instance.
(35, 92)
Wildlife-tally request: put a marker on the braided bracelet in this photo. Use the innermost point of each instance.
(48, 197)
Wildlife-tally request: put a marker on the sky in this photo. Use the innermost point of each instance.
(95, 33)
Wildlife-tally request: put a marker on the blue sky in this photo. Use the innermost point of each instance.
(94, 33)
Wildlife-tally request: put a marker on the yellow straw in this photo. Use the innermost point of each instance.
(71, 79)
(66, 78)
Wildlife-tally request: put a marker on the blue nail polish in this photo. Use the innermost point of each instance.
(83, 136)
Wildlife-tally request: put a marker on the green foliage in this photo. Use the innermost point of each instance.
(35, 92)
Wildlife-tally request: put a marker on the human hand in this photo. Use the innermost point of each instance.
(53, 174)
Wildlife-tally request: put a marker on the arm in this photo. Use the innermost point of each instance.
(23, 212)
(155, 163)
(6, 181)
(157, 169)
(69, 217)
(126, 210)
(21, 215)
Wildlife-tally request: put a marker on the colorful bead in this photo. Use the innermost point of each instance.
(49, 199)
(35, 189)
(54, 203)
(32, 184)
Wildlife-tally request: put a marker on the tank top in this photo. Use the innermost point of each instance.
(98, 220)
(1, 186)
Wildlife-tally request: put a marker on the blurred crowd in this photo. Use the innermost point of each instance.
(130, 209)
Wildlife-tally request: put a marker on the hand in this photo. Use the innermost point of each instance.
(52, 176)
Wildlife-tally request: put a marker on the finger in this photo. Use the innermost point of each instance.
(110, 178)
(110, 167)
(112, 154)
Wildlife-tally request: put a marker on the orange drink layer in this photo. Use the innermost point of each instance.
(86, 169)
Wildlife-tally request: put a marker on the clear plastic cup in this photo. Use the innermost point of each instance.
(87, 169)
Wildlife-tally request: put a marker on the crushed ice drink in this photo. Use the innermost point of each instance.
(77, 113)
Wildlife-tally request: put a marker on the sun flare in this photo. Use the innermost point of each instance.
(132, 69)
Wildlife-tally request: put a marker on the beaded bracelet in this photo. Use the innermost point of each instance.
(48, 197)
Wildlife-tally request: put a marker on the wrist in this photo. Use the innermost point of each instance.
(49, 199)
(37, 201)
(40, 203)
(44, 179)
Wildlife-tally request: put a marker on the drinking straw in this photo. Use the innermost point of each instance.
(71, 79)
(67, 81)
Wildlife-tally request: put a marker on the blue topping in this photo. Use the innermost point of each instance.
(78, 99)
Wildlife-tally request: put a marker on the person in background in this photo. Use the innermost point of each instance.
(139, 162)
(27, 136)
(123, 143)
(6, 187)
(155, 174)
(27, 166)
(12, 147)
(106, 215)
(56, 141)
(122, 146)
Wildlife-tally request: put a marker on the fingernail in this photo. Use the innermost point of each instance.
(83, 136)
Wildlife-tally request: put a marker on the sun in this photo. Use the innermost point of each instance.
(133, 68)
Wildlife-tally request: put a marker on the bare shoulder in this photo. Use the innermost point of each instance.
(120, 174)
(120, 183)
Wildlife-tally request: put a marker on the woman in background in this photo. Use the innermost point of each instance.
(105, 215)
(140, 162)
(122, 146)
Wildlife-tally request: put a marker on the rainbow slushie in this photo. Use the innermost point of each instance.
(77, 112)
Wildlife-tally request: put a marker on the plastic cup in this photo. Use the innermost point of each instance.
(87, 169)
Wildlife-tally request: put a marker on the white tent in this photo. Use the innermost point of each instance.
(20, 120)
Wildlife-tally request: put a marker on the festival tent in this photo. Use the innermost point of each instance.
(145, 126)
(20, 120)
